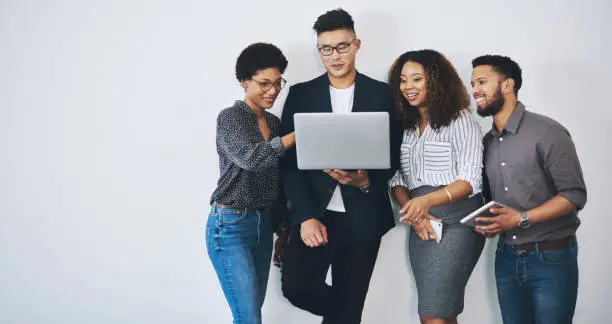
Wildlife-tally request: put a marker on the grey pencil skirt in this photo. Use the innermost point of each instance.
(441, 270)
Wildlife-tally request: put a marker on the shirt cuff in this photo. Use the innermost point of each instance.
(397, 180)
(276, 145)
(576, 197)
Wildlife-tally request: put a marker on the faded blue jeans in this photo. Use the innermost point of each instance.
(537, 287)
(239, 244)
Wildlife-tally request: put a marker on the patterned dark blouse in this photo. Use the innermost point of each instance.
(249, 165)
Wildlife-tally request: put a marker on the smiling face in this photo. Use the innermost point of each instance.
(339, 65)
(263, 88)
(487, 90)
(413, 84)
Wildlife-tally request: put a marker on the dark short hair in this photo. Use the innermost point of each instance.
(502, 65)
(446, 93)
(257, 57)
(333, 20)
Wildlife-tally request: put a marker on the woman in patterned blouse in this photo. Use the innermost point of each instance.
(248, 203)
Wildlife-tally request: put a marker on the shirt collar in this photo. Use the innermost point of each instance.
(514, 121)
(243, 105)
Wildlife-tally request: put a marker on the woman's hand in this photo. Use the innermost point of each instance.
(424, 230)
(288, 141)
(415, 209)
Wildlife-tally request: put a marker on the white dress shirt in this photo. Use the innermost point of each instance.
(342, 103)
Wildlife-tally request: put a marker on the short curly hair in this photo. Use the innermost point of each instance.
(259, 56)
(504, 66)
(446, 93)
(334, 20)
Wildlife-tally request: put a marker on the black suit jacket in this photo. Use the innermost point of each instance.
(369, 215)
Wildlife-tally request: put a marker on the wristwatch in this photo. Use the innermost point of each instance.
(524, 222)
(365, 188)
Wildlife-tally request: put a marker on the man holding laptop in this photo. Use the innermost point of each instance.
(339, 216)
(531, 166)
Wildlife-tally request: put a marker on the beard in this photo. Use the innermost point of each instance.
(493, 106)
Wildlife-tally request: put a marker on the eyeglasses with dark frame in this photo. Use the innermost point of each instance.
(341, 48)
(265, 86)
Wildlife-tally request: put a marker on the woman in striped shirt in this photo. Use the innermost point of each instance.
(440, 179)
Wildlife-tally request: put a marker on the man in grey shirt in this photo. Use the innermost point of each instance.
(532, 167)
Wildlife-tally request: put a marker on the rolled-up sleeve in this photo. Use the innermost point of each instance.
(467, 147)
(397, 180)
(561, 162)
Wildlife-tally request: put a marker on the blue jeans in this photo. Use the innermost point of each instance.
(239, 244)
(538, 287)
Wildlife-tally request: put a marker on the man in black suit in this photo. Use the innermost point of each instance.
(338, 216)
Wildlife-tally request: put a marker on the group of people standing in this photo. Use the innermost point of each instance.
(442, 169)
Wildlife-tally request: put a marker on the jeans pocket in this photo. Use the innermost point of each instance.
(560, 256)
(228, 216)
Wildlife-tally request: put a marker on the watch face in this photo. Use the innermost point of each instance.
(524, 223)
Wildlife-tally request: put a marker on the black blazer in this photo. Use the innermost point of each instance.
(309, 191)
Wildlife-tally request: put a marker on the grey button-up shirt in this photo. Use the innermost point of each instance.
(532, 160)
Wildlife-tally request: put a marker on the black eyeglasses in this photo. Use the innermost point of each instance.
(341, 48)
(265, 86)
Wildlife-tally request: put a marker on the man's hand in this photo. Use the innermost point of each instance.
(505, 219)
(414, 209)
(279, 246)
(358, 179)
(313, 233)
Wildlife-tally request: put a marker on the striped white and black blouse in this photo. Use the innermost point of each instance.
(439, 157)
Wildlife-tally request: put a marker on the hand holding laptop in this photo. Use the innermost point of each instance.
(358, 179)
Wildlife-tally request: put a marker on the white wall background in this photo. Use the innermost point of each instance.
(107, 155)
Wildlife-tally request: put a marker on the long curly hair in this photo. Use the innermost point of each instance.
(446, 93)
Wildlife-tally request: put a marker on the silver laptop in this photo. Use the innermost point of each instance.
(342, 141)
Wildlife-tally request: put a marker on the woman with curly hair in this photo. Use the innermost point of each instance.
(248, 203)
(440, 179)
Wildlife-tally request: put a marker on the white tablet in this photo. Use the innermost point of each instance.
(483, 211)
